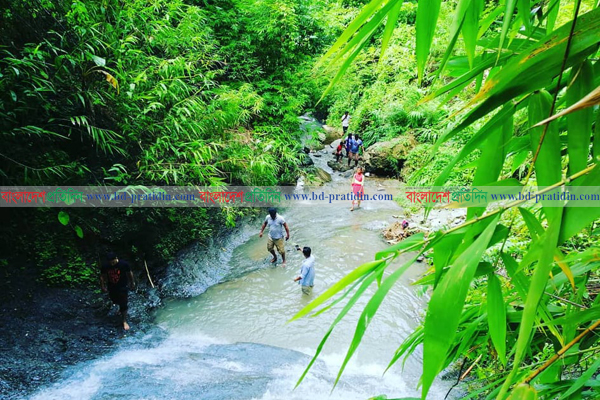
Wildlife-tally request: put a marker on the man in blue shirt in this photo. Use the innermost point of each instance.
(355, 147)
(307, 271)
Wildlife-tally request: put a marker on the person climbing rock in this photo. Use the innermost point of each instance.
(116, 278)
(355, 147)
(306, 279)
(276, 224)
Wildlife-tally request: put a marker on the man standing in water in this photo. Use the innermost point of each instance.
(307, 271)
(276, 224)
(117, 278)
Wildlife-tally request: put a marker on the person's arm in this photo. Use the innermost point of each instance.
(131, 280)
(303, 273)
(262, 228)
(103, 280)
(287, 230)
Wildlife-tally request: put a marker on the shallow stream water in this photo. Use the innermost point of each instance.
(224, 332)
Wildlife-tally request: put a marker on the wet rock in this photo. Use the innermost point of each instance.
(320, 177)
(341, 166)
(331, 134)
(396, 232)
(306, 161)
(387, 158)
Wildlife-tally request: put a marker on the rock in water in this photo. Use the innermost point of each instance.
(341, 166)
(387, 158)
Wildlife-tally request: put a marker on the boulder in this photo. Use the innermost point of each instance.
(387, 158)
(306, 160)
(342, 166)
(332, 134)
(319, 178)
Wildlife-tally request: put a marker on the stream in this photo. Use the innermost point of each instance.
(223, 331)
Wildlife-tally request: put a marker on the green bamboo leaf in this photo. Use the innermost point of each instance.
(463, 80)
(63, 218)
(548, 164)
(428, 12)
(552, 13)
(483, 134)
(536, 67)
(446, 304)
(497, 316)
(390, 24)
(370, 310)
(493, 155)
(523, 392)
(524, 9)
(579, 123)
(578, 318)
(407, 347)
(489, 20)
(442, 253)
(577, 218)
(357, 273)
(596, 145)
(548, 242)
(410, 243)
(361, 38)
(355, 25)
(366, 283)
(358, 42)
(582, 380)
(457, 22)
(508, 13)
(470, 28)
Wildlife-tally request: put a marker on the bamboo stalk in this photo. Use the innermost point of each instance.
(148, 273)
(561, 352)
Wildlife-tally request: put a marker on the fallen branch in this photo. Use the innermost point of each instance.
(148, 273)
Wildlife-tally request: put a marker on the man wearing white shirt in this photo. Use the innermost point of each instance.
(345, 121)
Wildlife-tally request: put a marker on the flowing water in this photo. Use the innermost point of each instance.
(228, 337)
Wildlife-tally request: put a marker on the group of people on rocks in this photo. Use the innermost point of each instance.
(352, 143)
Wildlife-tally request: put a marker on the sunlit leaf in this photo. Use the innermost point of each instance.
(446, 305)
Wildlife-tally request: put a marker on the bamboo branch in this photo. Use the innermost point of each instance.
(561, 352)
(519, 202)
(148, 273)
(565, 300)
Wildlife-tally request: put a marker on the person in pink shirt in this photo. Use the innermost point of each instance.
(358, 183)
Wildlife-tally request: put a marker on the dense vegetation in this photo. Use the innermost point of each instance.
(514, 290)
(147, 93)
(154, 92)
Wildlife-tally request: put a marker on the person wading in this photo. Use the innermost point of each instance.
(307, 271)
(116, 278)
(358, 186)
(276, 224)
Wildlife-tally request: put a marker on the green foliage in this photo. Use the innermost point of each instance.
(508, 77)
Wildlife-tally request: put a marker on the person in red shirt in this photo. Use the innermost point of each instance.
(338, 152)
(116, 278)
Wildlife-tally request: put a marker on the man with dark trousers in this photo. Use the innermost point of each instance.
(116, 278)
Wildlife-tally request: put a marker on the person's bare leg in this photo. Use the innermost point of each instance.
(124, 316)
(274, 259)
(283, 258)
